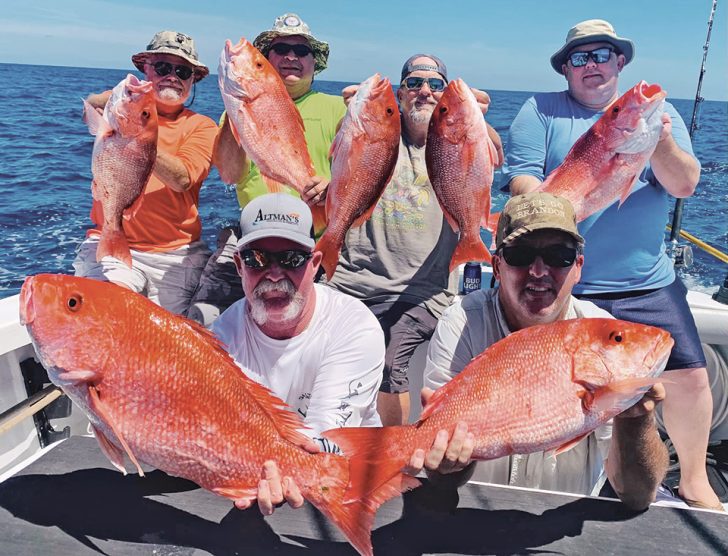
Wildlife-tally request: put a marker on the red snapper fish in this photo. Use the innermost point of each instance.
(364, 156)
(263, 118)
(163, 391)
(460, 159)
(124, 153)
(604, 163)
(542, 388)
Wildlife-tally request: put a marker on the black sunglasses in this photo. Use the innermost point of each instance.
(599, 55)
(559, 256)
(259, 259)
(165, 68)
(283, 48)
(414, 83)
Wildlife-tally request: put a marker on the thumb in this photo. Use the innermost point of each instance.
(425, 395)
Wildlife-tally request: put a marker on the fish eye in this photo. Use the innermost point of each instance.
(443, 109)
(390, 111)
(615, 110)
(74, 302)
(616, 336)
(145, 114)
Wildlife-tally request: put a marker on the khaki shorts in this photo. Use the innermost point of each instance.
(167, 278)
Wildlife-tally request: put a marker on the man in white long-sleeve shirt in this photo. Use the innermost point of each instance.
(319, 350)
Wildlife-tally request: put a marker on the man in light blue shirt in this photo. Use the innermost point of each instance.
(628, 272)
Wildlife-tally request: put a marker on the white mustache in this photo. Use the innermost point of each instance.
(265, 286)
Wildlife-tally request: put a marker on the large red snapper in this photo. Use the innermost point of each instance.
(162, 390)
(124, 154)
(460, 159)
(263, 118)
(541, 388)
(364, 156)
(604, 162)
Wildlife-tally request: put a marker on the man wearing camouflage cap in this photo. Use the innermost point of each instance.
(537, 262)
(297, 55)
(167, 253)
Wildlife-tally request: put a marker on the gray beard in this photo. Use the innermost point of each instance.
(257, 305)
(420, 116)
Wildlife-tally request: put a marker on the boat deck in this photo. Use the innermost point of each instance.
(72, 502)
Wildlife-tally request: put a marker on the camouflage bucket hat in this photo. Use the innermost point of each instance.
(177, 44)
(533, 211)
(291, 24)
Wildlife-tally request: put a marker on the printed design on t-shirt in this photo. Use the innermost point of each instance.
(302, 405)
(404, 202)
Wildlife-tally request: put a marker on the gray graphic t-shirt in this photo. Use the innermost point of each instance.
(403, 252)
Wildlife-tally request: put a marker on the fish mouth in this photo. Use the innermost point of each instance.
(27, 311)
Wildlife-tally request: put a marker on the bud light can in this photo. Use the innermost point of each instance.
(471, 278)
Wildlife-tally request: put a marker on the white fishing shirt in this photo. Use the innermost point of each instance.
(329, 374)
(579, 470)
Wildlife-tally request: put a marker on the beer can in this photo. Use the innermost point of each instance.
(471, 278)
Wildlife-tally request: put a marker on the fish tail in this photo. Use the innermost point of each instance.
(330, 248)
(376, 455)
(319, 219)
(113, 243)
(469, 249)
(354, 518)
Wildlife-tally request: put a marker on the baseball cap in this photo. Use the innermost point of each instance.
(533, 211)
(410, 66)
(276, 215)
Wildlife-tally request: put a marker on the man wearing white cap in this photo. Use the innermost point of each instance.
(319, 350)
(297, 55)
(164, 233)
(628, 272)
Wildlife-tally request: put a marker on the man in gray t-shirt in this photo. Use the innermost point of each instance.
(398, 262)
(538, 260)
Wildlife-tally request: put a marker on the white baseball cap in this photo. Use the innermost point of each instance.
(277, 215)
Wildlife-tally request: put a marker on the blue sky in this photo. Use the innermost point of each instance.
(492, 44)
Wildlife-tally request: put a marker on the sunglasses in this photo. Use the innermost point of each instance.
(415, 83)
(290, 260)
(283, 48)
(559, 256)
(165, 68)
(599, 55)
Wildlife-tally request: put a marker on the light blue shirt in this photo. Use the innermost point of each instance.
(625, 246)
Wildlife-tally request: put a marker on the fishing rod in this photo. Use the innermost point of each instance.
(680, 254)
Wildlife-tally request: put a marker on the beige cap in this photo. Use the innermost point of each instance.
(533, 211)
(291, 24)
(592, 30)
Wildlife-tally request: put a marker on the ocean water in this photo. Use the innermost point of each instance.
(45, 170)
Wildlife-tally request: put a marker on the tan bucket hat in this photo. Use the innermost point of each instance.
(172, 42)
(592, 30)
(291, 24)
(533, 211)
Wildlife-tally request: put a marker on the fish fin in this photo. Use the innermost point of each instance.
(627, 190)
(355, 518)
(99, 408)
(470, 250)
(607, 397)
(96, 123)
(330, 249)
(243, 495)
(566, 446)
(361, 220)
(450, 219)
(234, 130)
(115, 455)
(113, 243)
(318, 214)
(287, 423)
(131, 211)
(79, 376)
(274, 186)
(376, 455)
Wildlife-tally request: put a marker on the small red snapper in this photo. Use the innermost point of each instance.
(542, 388)
(162, 390)
(460, 159)
(124, 153)
(364, 156)
(604, 163)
